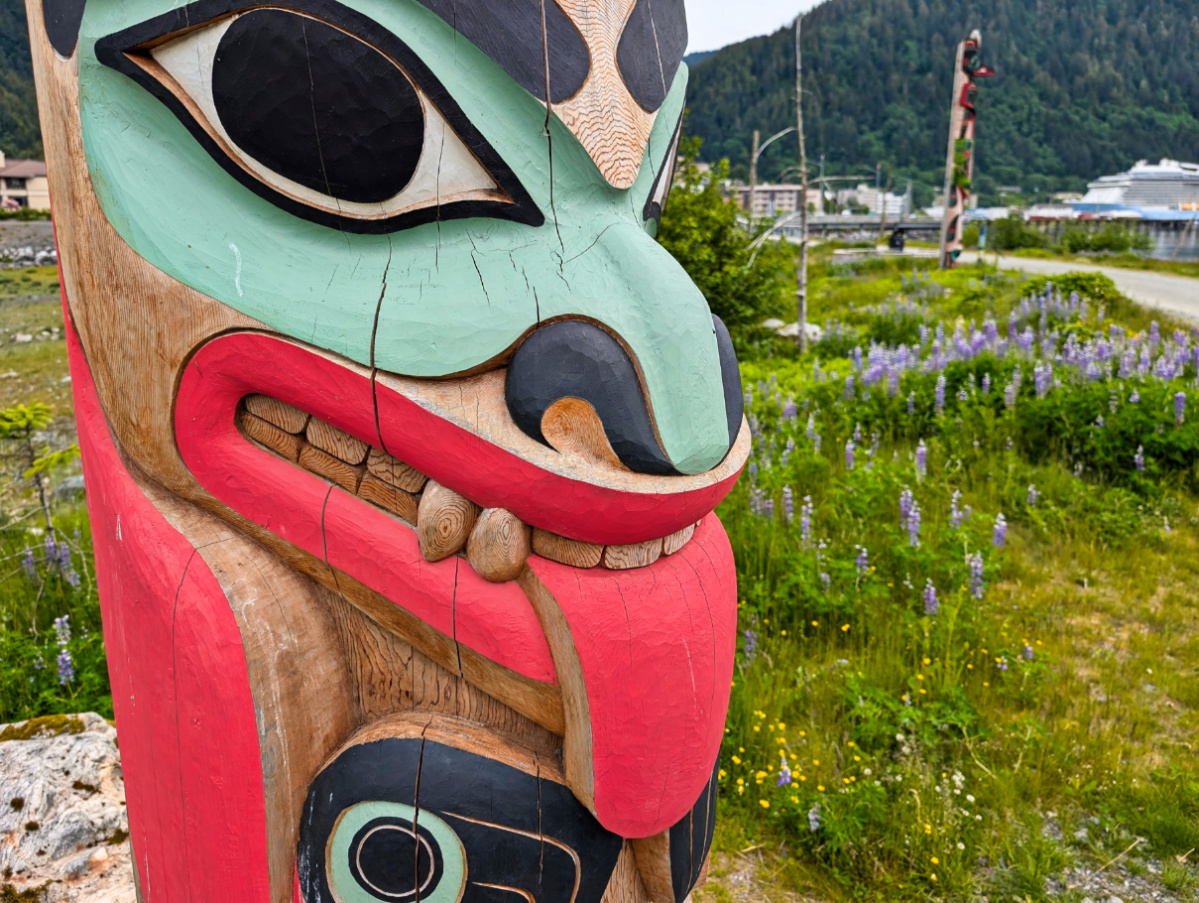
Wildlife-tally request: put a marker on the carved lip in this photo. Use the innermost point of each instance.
(456, 432)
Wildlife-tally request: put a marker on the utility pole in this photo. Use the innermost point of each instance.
(753, 179)
(801, 295)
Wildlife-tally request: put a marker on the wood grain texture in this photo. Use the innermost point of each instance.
(572, 427)
(605, 118)
(276, 412)
(675, 541)
(391, 470)
(653, 864)
(337, 443)
(627, 885)
(499, 545)
(333, 469)
(444, 522)
(577, 747)
(566, 551)
(626, 558)
(271, 436)
(397, 501)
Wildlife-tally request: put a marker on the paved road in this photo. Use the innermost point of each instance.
(1176, 295)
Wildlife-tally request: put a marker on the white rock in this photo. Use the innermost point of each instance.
(62, 801)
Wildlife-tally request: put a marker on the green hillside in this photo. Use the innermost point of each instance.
(1084, 88)
(20, 135)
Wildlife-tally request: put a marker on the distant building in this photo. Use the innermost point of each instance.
(873, 200)
(776, 200)
(1168, 185)
(23, 184)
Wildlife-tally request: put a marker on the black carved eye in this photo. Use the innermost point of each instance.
(315, 105)
(394, 859)
(330, 117)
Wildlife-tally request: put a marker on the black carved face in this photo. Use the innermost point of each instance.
(412, 819)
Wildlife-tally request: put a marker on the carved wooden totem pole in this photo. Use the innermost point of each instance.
(959, 167)
(402, 439)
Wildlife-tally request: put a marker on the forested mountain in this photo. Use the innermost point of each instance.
(19, 132)
(1084, 88)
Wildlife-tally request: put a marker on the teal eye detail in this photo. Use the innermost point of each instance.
(389, 851)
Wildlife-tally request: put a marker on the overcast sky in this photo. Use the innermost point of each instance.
(714, 23)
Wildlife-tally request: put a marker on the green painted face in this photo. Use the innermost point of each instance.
(433, 299)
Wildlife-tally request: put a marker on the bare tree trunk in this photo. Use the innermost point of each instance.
(753, 180)
(801, 295)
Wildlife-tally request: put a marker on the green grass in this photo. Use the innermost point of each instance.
(34, 370)
(921, 747)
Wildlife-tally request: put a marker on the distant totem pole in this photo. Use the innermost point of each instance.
(959, 169)
(402, 439)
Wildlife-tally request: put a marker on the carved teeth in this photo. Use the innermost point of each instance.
(625, 558)
(495, 542)
(499, 545)
(566, 551)
(444, 521)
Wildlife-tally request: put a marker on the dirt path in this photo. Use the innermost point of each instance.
(1176, 295)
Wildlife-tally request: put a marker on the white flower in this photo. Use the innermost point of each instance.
(969, 798)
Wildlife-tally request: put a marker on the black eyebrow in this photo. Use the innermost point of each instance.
(62, 19)
(651, 49)
(509, 33)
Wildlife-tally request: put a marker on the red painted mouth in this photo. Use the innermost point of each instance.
(655, 645)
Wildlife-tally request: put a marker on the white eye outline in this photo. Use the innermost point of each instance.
(446, 173)
(655, 204)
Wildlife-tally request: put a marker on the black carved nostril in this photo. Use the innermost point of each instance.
(572, 359)
(730, 374)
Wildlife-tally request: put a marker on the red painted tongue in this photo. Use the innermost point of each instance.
(656, 649)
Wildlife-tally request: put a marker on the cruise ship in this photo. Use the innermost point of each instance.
(1168, 185)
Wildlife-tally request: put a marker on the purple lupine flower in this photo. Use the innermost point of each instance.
(816, 443)
(784, 774)
(986, 384)
(788, 504)
(857, 432)
(805, 520)
(50, 549)
(790, 409)
(911, 403)
(1033, 496)
(914, 526)
(1138, 459)
(847, 393)
(1009, 394)
(906, 500)
(1180, 407)
(826, 580)
(940, 394)
(975, 562)
(814, 818)
(956, 514)
(66, 667)
(1135, 397)
(1028, 653)
(753, 472)
(768, 508)
(811, 427)
(27, 562)
(1099, 424)
(921, 460)
(72, 577)
(930, 599)
(751, 645)
(999, 537)
(1042, 379)
(849, 447)
(863, 560)
(62, 630)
